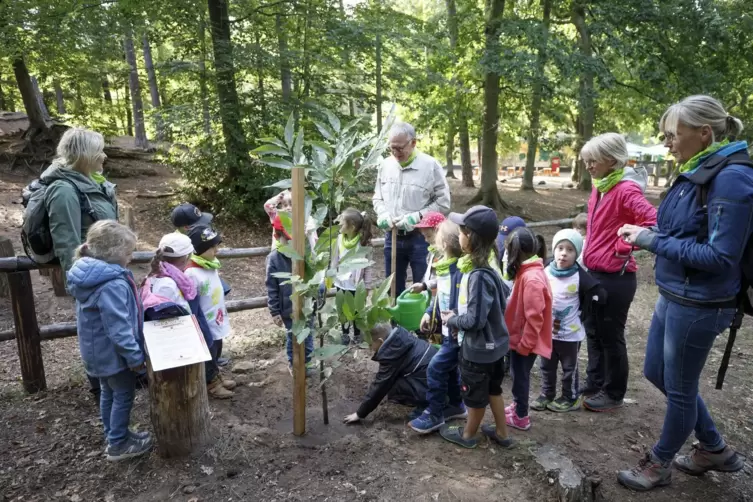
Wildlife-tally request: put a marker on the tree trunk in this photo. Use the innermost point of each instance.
(479, 145)
(153, 89)
(465, 153)
(450, 149)
(106, 91)
(59, 97)
(129, 115)
(26, 88)
(346, 62)
(179, 409)
(488, 193)
(230, 107)
(306, 52)
(40, 98)
(203, 77)
(260, 77)
(538, 90)
(2, 96)
(586, 93)
(133, 82)
(378, 57)
(286, 78)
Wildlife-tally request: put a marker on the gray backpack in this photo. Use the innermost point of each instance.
(35, 231)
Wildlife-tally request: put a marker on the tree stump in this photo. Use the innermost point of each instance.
(6, 250)
(179, 409)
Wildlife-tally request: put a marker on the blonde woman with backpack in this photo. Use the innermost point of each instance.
(703, 227)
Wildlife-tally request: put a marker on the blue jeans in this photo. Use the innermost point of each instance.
(443, 378)
(412, 250)
(115, 403)
(309, 344)
(679, 342)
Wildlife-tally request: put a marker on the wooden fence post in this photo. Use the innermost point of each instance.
(6, 250)
(128, 219)
(179, 409)
(299, 356)
(58, 282)
(27, 331)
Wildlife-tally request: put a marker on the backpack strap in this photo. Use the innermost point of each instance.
(83, 200)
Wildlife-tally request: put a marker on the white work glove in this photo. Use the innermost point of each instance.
(408, 221)
(384, 222)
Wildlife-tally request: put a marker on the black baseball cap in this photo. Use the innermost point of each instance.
(188, 215)
(480, 219)
(204, 238)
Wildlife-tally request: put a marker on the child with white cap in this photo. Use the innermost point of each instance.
(573, 292)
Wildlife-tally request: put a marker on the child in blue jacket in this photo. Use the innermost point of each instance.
(443, 379)
(109, 318)
(279, 295)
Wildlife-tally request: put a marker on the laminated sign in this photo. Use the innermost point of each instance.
(175, 342)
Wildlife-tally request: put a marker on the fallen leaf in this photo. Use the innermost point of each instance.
(410, 462)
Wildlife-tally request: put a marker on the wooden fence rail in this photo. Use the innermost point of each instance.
(28, 334)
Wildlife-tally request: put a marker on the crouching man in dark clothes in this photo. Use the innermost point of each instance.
(403, 360)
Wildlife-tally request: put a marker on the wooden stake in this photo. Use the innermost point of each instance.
(393, 261)
(299, 268)
(128, 218)
(58, 282)
(27, 332)
(179, 409)
(6, 249)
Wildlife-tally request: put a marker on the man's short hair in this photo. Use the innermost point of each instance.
(402, 129)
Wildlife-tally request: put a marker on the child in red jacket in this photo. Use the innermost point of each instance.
(528, 317)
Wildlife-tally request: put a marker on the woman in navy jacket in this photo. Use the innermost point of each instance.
(698, 255)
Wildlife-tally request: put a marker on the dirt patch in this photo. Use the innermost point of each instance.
(53, 441)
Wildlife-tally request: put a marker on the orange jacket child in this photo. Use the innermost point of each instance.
(529, 311)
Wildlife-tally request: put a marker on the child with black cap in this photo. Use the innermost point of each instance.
(481, 329)
(203, 268)
(186, 216)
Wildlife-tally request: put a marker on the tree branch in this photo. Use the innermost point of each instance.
(260, 9)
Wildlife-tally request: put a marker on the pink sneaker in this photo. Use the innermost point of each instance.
(515, 422)
(510, 409)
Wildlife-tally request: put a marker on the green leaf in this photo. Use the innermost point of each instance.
(328, 236)
(288, 251)
(303, 334)
(382, 291)
(349, 306)
(298, 147)
(328, 351)
(283, 184)
(325, 131)
(287, 221)
(271, 150)
(333, 121)
(289, 132)
(360, 298)
(276, 162)
(282, 275)
(339, 302)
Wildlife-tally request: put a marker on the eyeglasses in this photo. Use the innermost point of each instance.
(399, 149)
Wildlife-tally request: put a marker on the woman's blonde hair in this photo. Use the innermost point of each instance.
(109, 241)
(606, 147)
(447, 239)
(79, 147)
(698, 111)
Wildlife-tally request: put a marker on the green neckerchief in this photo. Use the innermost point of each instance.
(531, 259)
(693, 163)
(608, 182)
(350, 243)
(98, 178)
(278, 245)
(443, 266)
(204, 263)
(465, 264)
(410, 159)
(433, 250)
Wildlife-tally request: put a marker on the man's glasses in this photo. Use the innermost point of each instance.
(399, 149)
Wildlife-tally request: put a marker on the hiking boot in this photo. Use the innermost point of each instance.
(602, 402)
(455, 412)
(454, 434)
(563, 405)
(139, 435)
(426, 423)
(540, 403)
(650, 473)
(516, 422)
(217, 390)
(490, 431)
(700, 461)
(227, 383)
(130, 448)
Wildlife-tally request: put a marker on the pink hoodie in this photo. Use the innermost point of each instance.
(623, 204)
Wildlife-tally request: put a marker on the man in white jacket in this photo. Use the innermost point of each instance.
(409, 184)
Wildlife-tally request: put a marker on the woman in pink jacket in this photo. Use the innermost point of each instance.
(617, 199)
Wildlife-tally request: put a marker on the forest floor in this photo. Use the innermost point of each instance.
(52, 442)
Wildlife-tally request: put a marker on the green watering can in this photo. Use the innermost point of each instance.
(410, 308)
